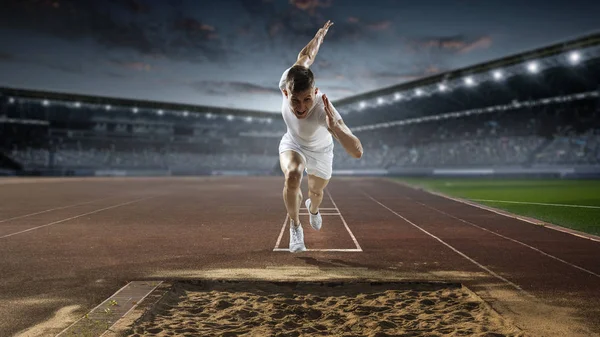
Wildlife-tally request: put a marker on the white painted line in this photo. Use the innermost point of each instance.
(77, 216)
(98, 306)
(322, 209)
(52, 209)
(454, 249)
(321, 250)
(357, 249)
(287, 216)
(507, 238)
(503, 213)
(344, 221)
(535, 203)
(133, 307)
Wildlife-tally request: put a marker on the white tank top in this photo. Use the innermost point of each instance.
(311, 132)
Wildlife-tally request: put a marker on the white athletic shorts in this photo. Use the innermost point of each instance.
(318, 163)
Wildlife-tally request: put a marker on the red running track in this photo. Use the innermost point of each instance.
(74, 242)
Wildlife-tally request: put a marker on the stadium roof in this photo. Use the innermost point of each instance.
(128, 103)
(586, 41)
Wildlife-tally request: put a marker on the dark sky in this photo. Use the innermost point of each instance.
(231, 53)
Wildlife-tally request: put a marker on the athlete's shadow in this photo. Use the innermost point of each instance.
(331, 263)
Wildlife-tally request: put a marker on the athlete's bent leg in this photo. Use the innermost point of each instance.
(316, 185)
(292, 165)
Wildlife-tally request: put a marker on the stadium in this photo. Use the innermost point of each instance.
(478, 190)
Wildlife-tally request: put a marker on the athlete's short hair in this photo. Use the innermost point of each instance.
(299, 79)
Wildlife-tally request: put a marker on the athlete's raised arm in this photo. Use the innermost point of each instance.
(341, 132)
(307, 55)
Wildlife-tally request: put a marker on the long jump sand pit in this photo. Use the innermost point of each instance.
(323, 308)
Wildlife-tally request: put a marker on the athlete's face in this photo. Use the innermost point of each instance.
(301, 102)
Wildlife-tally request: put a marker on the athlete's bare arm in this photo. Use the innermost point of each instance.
(307, 55)
(341, 132)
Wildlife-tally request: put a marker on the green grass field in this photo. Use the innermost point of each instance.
(514, 195)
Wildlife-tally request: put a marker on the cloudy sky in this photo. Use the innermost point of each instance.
(231, 53)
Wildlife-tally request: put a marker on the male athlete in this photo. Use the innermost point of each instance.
(307, 145)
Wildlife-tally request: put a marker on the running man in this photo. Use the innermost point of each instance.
(308, 144)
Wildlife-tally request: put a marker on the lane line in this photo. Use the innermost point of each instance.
(535, 203)
(507, 238)
(98, 306)
(114, 296)
(454, 249)
(321, 209)
(503, 213)
(133, 307)
(52, 209)
(321, 250)
(77, 216)
(344, 221)
(357, 249)
(287, 216)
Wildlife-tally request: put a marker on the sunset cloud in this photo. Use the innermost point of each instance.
(453, 44)
(226, 88)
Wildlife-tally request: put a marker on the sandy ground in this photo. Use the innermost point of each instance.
(321, 309)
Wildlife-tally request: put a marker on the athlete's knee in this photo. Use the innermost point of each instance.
(315, 192)
(293, 177)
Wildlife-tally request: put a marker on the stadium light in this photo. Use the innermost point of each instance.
(442, 87)
(362, 104)
(469, 81)
(160, 112)
(574, 57)
(419, 92)
(77, 105)
(248, 119)
(498, 75)
(108, 107)
(380, 100)
(398, 96)
(229, 117)
(209, 115)
(46, 102)
(533, 67)
(185, 114)
(269, 120)
(135, 110)
(11, 100)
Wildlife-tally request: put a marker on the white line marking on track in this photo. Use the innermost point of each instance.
(344, 221)
(52, 209)
(98, 306)
(125, 314)
(77, 216)
(133, 307)
(454, 249)
(489, 209)
(321, 250)
(321, 209)
(535, 203)
(507, 238)
(287, 216)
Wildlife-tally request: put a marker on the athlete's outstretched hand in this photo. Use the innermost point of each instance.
(332, 123)
(323, 31)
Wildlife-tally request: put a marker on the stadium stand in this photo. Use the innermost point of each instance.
(495, 114)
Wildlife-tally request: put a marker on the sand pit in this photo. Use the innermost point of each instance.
(250, 308)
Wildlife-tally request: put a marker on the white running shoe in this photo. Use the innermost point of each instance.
(296, 238)
(315, 220)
